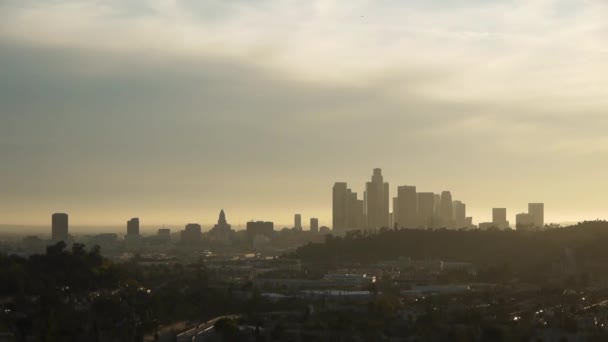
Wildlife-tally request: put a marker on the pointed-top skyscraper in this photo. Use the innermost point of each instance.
(222, 231)
(377, 201)
(222, 219)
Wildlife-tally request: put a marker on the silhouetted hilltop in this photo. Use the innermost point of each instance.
(584, 243)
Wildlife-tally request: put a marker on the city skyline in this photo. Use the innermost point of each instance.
(258, 107)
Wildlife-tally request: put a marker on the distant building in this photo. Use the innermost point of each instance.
(191, 234)
(486, 225)
(499, 218)
(377, 201)
(260, 228)
(524, 221)
(537, 210)
(460, 215)
(133, 227)
(314, 225)
(59, 230)
(446, 210)
(347, 209)
(324, 230)
(426, 209)
(407, 207)
(297, 221)
(164, 234)
(222, 231)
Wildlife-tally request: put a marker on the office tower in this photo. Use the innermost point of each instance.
(426, 209)
(537, 210)
(437, 211)
(469, 222)
(524, 221)
(347, 209)
(377, 201)
(340, 201)
(407, 203)
(446, 210)
(354, 212)
(314, 225)
(460, 215)
(499, 218)
(133, 227)
(395, 213)
(191, 234)
(164, 234)
(59, 229)
(255, 228)
(297, 222)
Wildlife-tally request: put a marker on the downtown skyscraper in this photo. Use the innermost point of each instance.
(377, 201)
(347, 208)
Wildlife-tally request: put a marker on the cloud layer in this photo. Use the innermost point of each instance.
(170, 109)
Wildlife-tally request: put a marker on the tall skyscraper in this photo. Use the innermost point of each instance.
(395, 214)
(314, 225)
(59, 229)
(133, 227)
(354, 211)
(446, 210)
(426, 209)
(460, 215)
(407, 202)
(377, 201)
(499, 218)
(537, 210)
(347, 209)
(297, 221)
(340, 201)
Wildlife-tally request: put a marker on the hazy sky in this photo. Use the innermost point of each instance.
(172, 110)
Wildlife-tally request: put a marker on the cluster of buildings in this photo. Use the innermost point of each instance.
(533, 219)
(413, 209)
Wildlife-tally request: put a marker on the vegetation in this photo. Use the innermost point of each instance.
(524, 252)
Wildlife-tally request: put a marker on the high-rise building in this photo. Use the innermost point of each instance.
(255, 228)
(222, 231)
(340, 202)
(426, 209)
(437, 198)
(460, 215)
(377, 201)
(314, 225)
(407, 203)
(524, 221)
(347, 209)
(354, 212)
(133, 227)
(395, 213)
(446, 210)
(164, 234)
(297, 222)
(537, 210)
(191, 234)
(499, 218)
(59, 229)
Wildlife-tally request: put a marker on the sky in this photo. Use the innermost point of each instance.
(170, 110)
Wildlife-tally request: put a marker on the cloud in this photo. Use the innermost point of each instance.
(100, 98)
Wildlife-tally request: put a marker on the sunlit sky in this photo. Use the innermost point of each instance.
(171, 110)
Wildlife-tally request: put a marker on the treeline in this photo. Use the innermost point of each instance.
(77, 295)
(585, 242)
